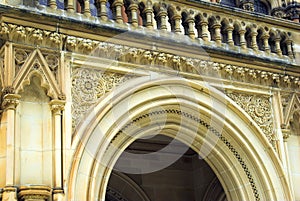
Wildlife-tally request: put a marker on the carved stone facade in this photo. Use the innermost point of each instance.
(80, 84)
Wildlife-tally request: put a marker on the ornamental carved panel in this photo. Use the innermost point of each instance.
(259, 109)
(88, 86)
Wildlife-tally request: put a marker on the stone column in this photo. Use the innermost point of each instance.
(9, 104)
(57, 106)
(10, 101)
(286, 134)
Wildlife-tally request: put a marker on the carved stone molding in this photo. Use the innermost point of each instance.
(39, 37)
(259, 109)
(156, 113)
(31, 193)
(10, 101)
(169, 61)
(147, 57)
(88, 86)
(291, 112)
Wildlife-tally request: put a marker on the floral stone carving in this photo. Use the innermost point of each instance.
(88, 85)
(259, 109)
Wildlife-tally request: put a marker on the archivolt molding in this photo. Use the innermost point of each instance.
(147, 57)
(122, 134)
(259, 109)
(88, 86)
(240, 143)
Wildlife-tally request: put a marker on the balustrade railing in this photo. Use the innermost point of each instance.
(200, 24)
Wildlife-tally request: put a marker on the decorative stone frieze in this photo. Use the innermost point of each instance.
(88, 86)
(185, 64)
(259, 109)
(32, 193)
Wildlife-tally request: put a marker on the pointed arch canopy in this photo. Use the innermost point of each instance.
(193, 112)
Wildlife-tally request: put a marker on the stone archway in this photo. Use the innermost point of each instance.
(194, 113)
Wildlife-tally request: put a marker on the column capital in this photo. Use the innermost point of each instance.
(27, 193)
(57, 106)
(285, 133)
(10, 101)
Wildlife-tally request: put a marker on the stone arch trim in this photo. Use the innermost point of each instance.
(226, 142)
(246, 133)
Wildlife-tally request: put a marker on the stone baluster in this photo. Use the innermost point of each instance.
(148, 13)
(162, 17)
(253, 40)
(52, 4)
(87, 11)
(265, 38)
(205, 33)
(133, 14)
(289, 47)
(71, 6)
(217, 28)
(242, 38)
(177, 19)
(102, 12)
(190, 22)
(229, 30)
(277, 45)
(117, 5)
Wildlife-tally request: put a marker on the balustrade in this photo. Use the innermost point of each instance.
(195, 22)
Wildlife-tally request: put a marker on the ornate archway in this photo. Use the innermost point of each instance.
(194, 113)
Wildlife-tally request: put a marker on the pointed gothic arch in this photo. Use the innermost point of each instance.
(192, 112)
